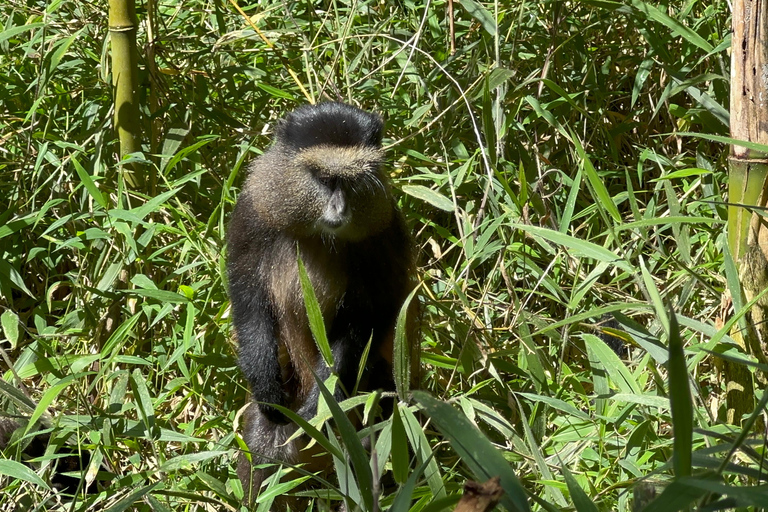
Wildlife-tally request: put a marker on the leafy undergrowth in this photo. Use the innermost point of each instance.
(571, 235)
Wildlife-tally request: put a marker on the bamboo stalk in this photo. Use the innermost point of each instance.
(122, 32)
(748, 169)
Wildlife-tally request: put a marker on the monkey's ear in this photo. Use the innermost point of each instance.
(376, 131)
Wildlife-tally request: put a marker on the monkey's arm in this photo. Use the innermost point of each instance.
(255, 325)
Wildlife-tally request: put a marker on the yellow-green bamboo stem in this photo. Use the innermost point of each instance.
(122, 32)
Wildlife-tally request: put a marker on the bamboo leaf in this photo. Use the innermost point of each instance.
(88, 183)
(474, 449)
(430, 196)
(579, 246)
(580, 499)
(400, 467)
(10, 323)
(403, 350)
(686, 33)
(14, 31)
(680, 402)
(315, 315)
(479, 12)
(352, 443)
(610, 362)
(19, 471)
(421, 448)
(48, 397)
(595, 182)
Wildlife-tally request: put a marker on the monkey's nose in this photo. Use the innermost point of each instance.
(336, 212)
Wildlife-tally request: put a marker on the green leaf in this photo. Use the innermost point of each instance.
(281, 488)
(577, 245)
(684, 173)
(535, 450)
(653, 293)
(655, 401)
(16, 225)
(610, 363)
(315, 315)
(12, 32)
(21, 400)
(580, 499)
(159, 295)
(352, 442)
(663, 221)
(143, 401)
(479, 12)
(153, 204)
(762, 148)
(125, 503)
(642, 74)
(310, 430)
(680, 402)
(400, 466)
(274, 91)
(10, 323)
(403, 350)
(595, 182)
(19, 471)
(421, 448)
(402, 502)
(558, 404)
(61, 50)
(430, 196)
(190, 460)
(677, 496)
(171, 143)
(570, 204)
(88, 183)
(498, 76)
(655, 14)
(48, 397)
(178, 157)
(475, 450)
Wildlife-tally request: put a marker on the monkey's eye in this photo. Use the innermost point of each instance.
(328, 181)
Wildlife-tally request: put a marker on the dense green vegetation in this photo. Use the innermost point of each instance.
(571, 237)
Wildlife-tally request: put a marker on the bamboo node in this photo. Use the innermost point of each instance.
(122, 28)
(746, 159)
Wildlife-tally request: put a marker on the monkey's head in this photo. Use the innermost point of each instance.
(323, 175)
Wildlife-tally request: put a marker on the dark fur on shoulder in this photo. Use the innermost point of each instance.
(321, 190)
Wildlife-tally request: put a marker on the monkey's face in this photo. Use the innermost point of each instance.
(345, 195)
